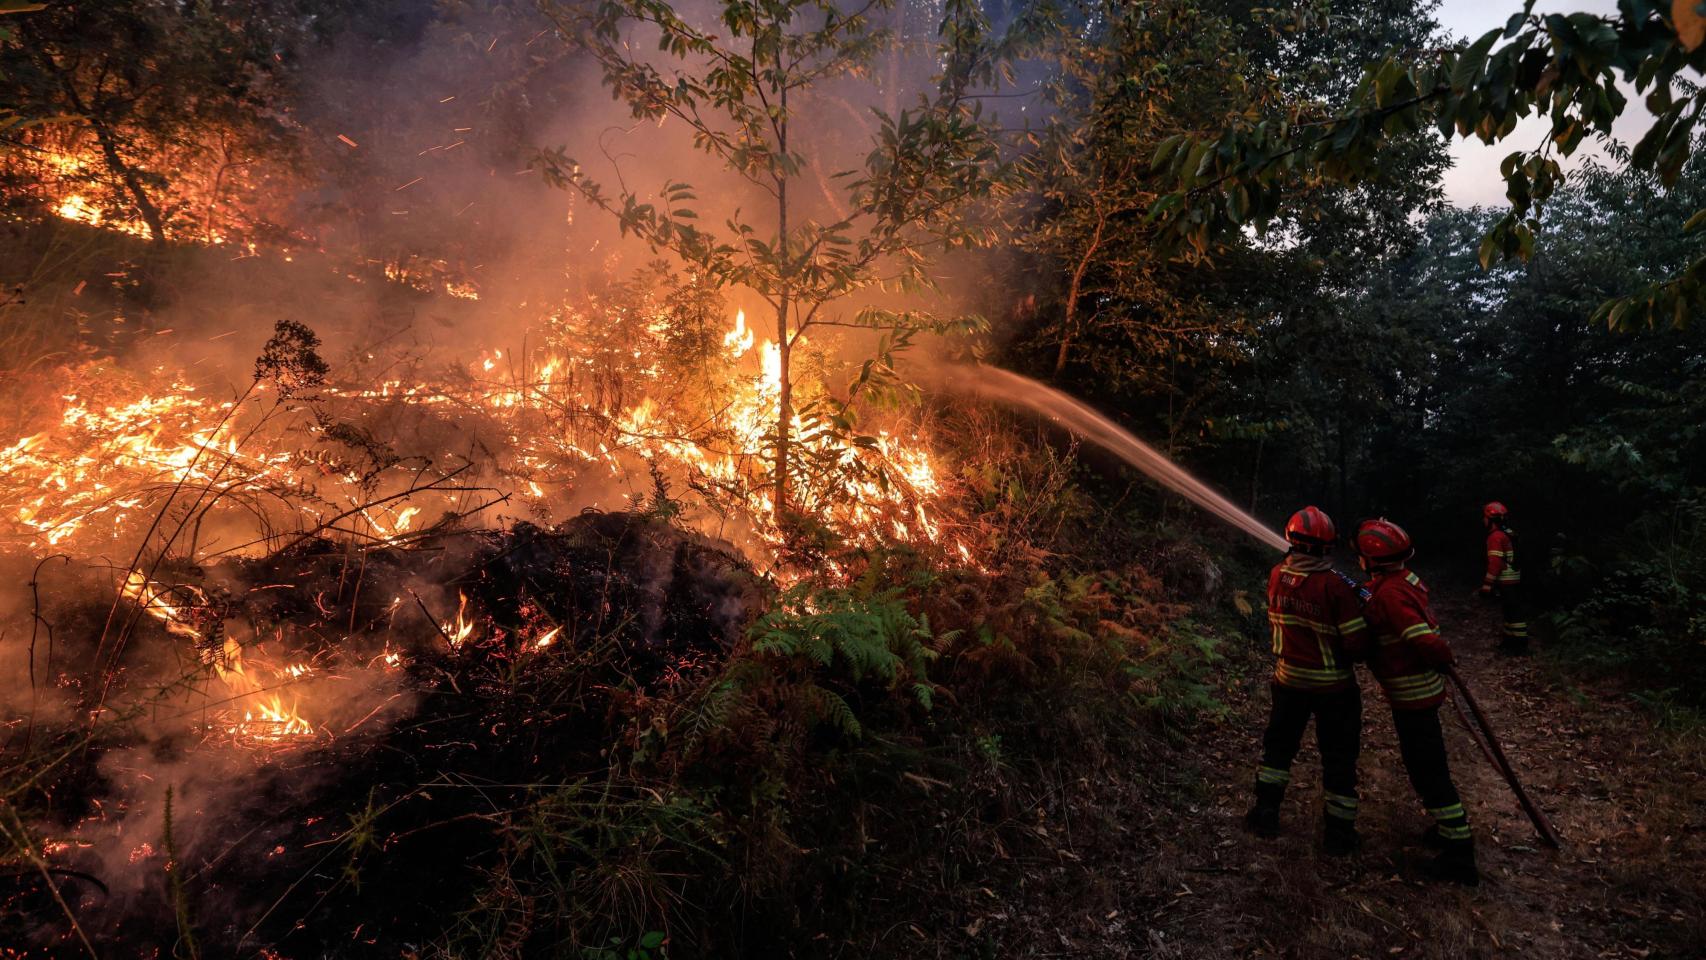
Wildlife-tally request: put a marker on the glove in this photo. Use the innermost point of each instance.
(1485, 591)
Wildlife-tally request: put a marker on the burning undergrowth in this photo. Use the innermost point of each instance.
(602, 405)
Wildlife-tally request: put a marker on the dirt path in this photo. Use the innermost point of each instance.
(1631, 804)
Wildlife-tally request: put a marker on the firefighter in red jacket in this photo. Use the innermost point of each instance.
(1406, 654)
(1318, 630)
(1504, 577)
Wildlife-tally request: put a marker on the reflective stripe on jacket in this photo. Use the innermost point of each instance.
(1407, 646)
(1316, 623)
(1501, 559)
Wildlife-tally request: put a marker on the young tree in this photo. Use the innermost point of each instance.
(743, 87)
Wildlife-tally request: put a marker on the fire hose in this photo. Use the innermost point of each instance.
(1490, 746)
(1484, 738)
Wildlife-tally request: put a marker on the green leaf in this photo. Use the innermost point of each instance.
(1386, 81)
(1165, 151)
(1489, 247)
(1471, 62)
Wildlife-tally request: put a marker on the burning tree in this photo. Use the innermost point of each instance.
(164, 110)
(742, 86)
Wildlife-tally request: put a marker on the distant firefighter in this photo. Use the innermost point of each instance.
(1504, 577)
(1318, 630)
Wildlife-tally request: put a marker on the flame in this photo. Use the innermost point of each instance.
(104, 470)
(78, 209)
(66, 168)
(151, 597)
(458, 631)
(269, 722)
(263, 719)
(738, 340)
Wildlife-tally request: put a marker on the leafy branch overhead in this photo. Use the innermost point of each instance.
(1566, 68)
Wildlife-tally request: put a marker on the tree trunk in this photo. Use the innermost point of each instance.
(891, 95)
(132, 185)
(218, 185)
(784, 345)
(1071, 319)
(115, 163)
(1344, 481)
(784, 410)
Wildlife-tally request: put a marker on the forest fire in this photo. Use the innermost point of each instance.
(73, 173)
(118, 462)
(446, 511)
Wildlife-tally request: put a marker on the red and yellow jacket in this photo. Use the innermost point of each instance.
(1318, 628)
(1408, 649)
(1501, 560)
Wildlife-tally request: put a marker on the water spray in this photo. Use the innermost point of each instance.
(1008, 388)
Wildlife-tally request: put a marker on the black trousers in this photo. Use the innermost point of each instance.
(1421, 743)
(1338, 732)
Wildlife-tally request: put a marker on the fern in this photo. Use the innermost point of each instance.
(816, 638)
(830, 708)
(871, 636)
(660, 504)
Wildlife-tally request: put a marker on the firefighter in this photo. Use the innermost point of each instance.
(1504, 578)
(1318, 630)
(1405, 655)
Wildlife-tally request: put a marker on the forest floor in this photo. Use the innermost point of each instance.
(1163, 869)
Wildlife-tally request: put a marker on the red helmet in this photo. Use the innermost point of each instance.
(1311, 529)
(1494, 511)
(1382, 541)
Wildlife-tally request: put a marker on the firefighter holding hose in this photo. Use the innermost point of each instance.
(1406, 656)
(1318, 630)
(1504, 578)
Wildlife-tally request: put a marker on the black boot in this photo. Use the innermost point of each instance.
(1431, 839)
(1339, 836)
(1263, 819)
(1455, 863)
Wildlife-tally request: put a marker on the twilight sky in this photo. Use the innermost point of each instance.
(1474, 177)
